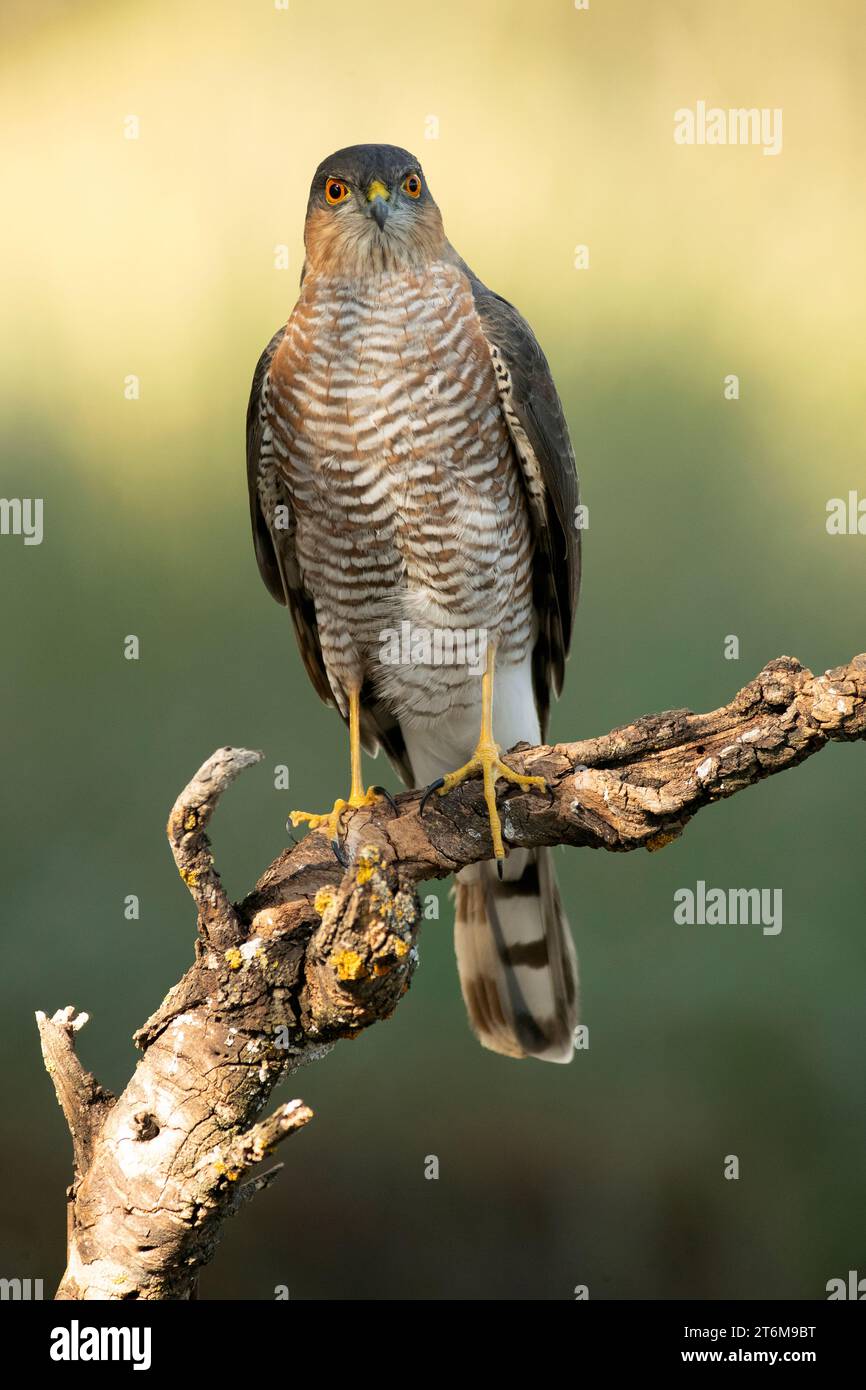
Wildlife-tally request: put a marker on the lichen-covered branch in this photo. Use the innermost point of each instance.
(316, 953)
(187, 823)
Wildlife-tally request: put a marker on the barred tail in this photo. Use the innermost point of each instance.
(516, 958)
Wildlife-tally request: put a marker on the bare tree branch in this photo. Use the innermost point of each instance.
(83, 1101)
(190, 814)
(315, 954)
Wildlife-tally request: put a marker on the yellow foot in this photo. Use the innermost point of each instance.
(487, 761)
(330, 821)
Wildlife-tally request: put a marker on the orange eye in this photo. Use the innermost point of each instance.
(336, 191)
(412, 185)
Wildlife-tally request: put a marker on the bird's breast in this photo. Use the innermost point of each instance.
(388, 430)
(386, 381)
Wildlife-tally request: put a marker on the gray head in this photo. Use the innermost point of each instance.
(370, 210)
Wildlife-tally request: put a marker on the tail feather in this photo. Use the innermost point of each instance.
(516, 958)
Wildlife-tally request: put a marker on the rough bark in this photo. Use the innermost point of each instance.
(316, 953)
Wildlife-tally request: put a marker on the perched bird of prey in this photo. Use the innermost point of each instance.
(410, 472)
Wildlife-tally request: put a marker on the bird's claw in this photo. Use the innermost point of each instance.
(487, 762)
(433, 787)
(340, 854)
(330, 821)
(384, 792)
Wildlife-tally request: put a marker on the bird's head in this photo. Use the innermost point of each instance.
(370, 210)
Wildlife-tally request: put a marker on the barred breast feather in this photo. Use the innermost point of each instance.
(384, 424)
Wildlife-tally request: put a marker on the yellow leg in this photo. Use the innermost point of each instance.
(357, 797)
(487, 761)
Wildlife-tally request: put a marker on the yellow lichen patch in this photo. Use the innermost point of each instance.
(323, 900)
(403, 912)
(190, 877)
(191, 821)
(348, 965)
(233, 958)
(368, 862)
(400, 947)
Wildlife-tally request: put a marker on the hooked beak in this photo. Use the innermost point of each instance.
(377, 197)
(379, 211)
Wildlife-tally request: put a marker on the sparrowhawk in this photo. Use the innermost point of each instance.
(410, 472)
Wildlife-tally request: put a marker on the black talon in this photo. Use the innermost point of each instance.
(499, 869)
(340, 854)
(291, 833)
(383, 791)
(433, 787)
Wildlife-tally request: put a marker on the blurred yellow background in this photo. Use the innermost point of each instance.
(155, 257)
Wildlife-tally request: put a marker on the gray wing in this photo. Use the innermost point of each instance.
(535, 417)
(278, 565)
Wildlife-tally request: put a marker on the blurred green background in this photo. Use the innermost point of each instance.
(156, 257)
